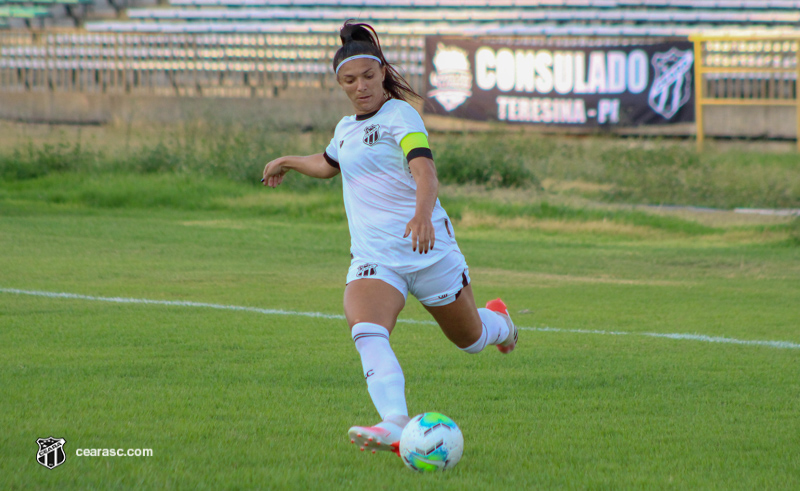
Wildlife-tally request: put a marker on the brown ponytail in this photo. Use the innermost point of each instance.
(361, 39)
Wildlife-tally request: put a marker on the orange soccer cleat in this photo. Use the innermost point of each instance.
(383, 436)
(499, 307)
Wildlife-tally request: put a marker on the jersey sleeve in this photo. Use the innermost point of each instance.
(332, 152)
(409, 132)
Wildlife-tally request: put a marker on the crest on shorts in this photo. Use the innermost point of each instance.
(672, 85)
(51, 452)
(371, 134)
(365, 270)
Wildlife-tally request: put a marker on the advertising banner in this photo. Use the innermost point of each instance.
(568, 86)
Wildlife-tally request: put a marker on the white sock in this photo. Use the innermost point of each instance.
(385, 381)
(495, 331)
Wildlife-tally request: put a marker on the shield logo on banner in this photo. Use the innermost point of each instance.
(451, 79)
(672, 86)
(371, 134)
(51, 452)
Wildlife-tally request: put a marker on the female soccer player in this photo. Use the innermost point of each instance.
(401, 238)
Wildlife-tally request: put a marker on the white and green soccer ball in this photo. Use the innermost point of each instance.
(431, 442)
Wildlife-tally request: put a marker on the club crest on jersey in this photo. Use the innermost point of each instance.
(371, 134)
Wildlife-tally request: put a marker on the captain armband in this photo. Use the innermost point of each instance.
(416, 145)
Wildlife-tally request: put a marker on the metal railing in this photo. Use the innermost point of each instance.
(745, 71)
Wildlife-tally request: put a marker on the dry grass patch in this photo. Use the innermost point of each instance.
(604, 227)
(716, 218)
(580, 186)
(270, 198)
(500, 277)
(229, 224)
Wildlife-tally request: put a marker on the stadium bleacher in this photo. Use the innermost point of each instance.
(205, 41)
(472, 17)
(723, 4)
(422, 17)
(468, 15)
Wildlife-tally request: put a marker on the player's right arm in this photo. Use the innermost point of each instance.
(311, 165)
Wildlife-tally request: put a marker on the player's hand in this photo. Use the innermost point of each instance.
(422, 234)
(273, 173)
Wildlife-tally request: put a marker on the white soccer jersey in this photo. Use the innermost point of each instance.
(379, 190)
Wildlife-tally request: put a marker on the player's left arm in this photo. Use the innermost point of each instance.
(420, 162)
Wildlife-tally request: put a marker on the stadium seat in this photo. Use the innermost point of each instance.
(771, 17)
(23, 12)
(47, 2)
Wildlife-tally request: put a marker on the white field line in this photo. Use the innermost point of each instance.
(183, 303)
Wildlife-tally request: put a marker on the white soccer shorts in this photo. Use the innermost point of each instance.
(434, 286)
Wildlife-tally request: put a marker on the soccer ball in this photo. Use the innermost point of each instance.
(431, 442)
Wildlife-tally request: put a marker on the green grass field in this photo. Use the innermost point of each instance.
(613, 385)
(240, 399)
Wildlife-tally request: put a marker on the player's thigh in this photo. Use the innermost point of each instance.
(374, 301)
(459, 319)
